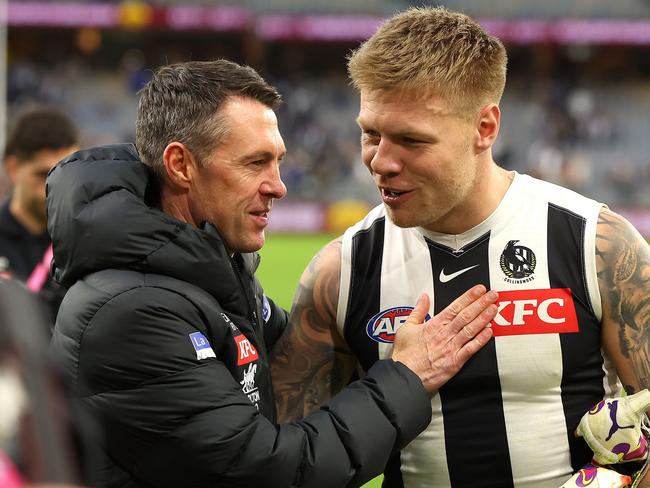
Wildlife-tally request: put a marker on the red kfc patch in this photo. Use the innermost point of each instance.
(246, 353)
(548, 311)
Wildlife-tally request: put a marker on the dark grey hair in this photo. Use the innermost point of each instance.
(182, 103)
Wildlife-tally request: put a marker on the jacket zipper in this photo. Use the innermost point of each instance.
(256, 326)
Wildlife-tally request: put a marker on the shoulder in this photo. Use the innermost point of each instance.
(617, 241)
(115, 307)
(376, 216)
(10, 228)
(326, 264)
(558, 196)
(120, 330)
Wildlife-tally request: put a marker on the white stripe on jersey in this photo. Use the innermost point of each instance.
(530, 383)
(516, 369)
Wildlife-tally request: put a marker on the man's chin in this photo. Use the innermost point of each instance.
(401, 219)
(39, 214)
(252, 244)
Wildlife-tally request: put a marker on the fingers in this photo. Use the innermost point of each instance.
(472, 346)
(458, 305)
(419, 313)
(474, 335)
(475, 310)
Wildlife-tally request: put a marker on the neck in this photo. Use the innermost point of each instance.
(34, 225)
(176, 204)
(489, 190)
(490, 187)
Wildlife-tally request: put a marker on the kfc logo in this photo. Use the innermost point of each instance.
(246, 353)
(548, 311)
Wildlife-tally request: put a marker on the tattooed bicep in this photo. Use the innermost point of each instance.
(623, 266)
(311, 361)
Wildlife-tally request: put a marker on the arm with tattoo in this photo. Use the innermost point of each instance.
(623, 265)
(311, 362)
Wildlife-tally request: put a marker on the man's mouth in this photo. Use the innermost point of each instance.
(394, 195)
(261, 216)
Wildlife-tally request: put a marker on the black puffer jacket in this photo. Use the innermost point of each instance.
(165, 337)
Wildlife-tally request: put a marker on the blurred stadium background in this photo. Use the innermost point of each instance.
(576, 109)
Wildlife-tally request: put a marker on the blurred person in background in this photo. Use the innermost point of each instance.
(573, 277)
(165, 331)
(39, 139)
(43, 436)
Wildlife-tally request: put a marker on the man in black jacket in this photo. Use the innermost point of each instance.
(165, 332)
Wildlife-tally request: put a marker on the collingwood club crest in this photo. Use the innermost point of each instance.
(517, 263)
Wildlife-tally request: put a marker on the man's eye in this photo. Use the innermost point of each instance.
(410, 140)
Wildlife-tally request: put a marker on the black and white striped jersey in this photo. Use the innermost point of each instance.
(507, 418)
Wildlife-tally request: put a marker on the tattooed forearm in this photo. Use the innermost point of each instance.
(623, 262)
(311, 362)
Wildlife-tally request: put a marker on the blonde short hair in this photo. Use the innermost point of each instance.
(433, 50)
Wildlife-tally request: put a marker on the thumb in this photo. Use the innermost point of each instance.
(419, 313)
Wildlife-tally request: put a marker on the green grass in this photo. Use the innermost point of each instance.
(284, 257)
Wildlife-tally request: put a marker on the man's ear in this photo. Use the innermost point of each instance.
(180, 164)
(487, 128)
(11, 166)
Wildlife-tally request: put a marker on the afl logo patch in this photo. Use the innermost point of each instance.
(382, 326)
(517, 263)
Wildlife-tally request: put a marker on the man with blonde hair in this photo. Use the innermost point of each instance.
(573, 277)
(165, 332)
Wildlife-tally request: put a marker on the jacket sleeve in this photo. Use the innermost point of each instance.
(173, 420)
(275, 321)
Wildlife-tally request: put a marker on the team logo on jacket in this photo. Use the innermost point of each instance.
(246, 353)
(248, 386)
(517, 263)
(201, 346)
(548, 311)
(382, 327)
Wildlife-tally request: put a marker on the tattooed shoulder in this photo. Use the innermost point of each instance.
(622, 254)
(623, 266)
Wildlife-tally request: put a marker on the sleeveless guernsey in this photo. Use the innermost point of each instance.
(507, 418)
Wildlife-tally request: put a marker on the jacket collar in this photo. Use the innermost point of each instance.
(98, 219)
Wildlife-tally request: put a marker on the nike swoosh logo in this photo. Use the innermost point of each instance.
(444, 278)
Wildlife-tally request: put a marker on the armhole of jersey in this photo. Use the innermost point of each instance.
(590, 262)
(344, 285)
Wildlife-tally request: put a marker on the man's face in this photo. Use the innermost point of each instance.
(235, 189)
(28, 178)
(421, 157)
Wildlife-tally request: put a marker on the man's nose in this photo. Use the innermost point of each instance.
(273, 186)
(384, 161)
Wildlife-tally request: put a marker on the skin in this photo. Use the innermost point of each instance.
(28, 178)
(235, 188)
(442, 161)
(623, 266)
(443, 164)
(409, 144)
